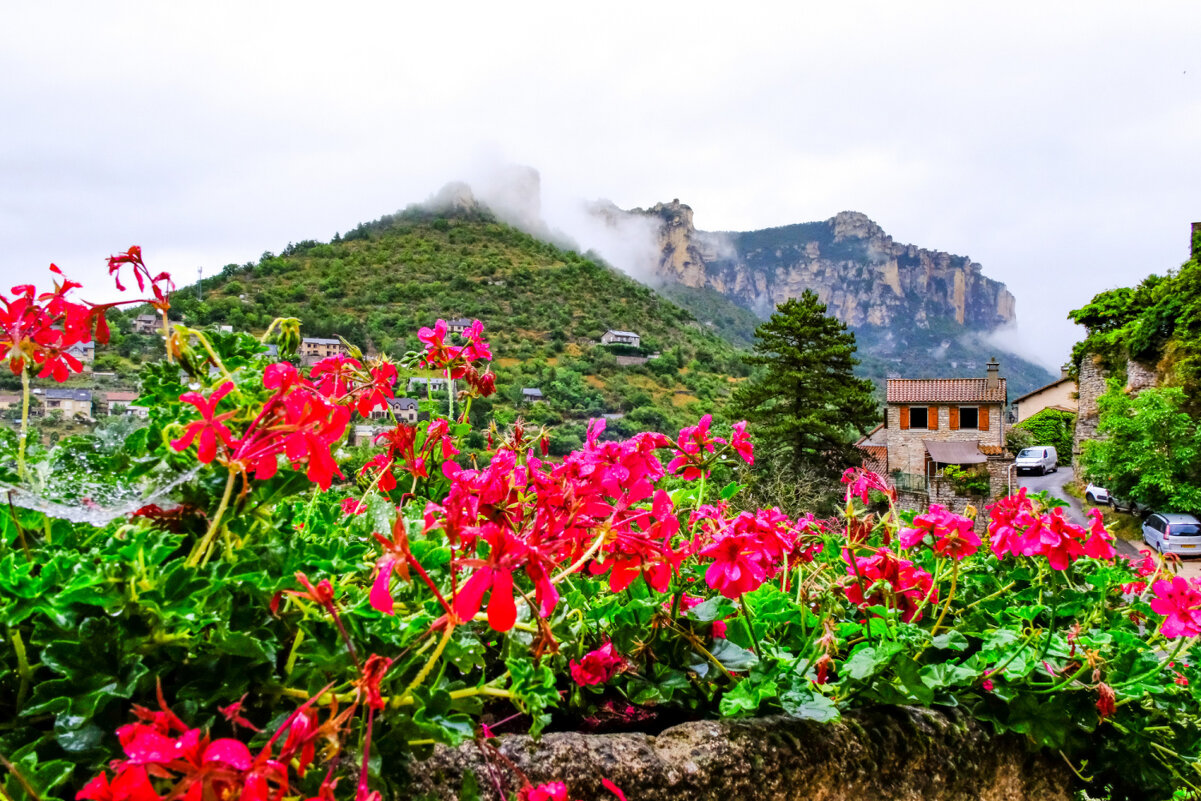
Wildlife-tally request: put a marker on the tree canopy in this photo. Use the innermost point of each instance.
(805, 404)
(1150, 451)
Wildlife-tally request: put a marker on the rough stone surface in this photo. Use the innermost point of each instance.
(879, 285)
(1090, 385)
(889, 754)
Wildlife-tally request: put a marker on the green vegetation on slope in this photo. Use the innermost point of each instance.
(544, 310)
(1157, 323)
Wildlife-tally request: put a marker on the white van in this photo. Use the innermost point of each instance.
(1041, 459)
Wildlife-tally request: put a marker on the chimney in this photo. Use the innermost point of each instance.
(1196, 250)
(1063, 371)
(993, 379)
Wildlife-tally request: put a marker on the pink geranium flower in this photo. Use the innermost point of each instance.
(1179, 601)
(597, 666)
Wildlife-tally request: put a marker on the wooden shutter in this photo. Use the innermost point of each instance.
(932, 416)
(983, 415)
(904, 417)
(954, 418)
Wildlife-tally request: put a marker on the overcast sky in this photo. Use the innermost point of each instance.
(1054, 143)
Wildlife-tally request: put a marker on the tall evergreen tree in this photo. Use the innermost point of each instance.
(806, 405)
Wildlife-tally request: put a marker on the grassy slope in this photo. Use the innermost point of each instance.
(543, 308)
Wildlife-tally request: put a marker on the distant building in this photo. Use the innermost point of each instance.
(1060, 394)
(84, 351)
(150, 324)
(614, 337)
(458, 325)
(532, 395)
(118, 402)
(314, 349)
(422, 384)
(71, 402)
(11, 402)
(146, 324)
(933, 421)
(405, 410)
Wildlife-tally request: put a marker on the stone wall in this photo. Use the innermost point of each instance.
(881, 754)
(1091, 385)
(907, 453)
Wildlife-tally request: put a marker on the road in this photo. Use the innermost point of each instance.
(1053, 484)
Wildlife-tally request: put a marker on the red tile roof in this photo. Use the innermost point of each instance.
(875, 458)
(944, 390)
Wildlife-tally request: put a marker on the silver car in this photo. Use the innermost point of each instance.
(1172, 533)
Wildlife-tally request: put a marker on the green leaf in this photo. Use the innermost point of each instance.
(800, 701)
(732, 657)
(746, 696)
(952, 640)
(869, 660)
(729, 490)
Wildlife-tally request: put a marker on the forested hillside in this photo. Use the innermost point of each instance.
(544, 310)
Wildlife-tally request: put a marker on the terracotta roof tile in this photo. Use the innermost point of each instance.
(875, 458)
(991, 450)
(944, 390)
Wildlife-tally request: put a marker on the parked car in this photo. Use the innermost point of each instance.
(1173, 533)
(1097, 496)
(1041, 459)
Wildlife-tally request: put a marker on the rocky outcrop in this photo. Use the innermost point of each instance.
(881, 753)
(858, 271)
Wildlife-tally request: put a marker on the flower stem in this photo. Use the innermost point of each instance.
(950, 597)
(592, 549)
(429, 665)
(200, 553)
(750, 630)
(24, 421)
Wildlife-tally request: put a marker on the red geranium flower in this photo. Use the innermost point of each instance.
(211, 428)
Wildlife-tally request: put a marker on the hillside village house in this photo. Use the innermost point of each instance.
(939, 421)
(405, 410)
(149, 324)
(84, 351)
(531, 395)
(427, 384)
(458, 325)
(117, 401)
(1060, 394)
(9, 403)
(71, 402)
(613, 337)
(314, 349)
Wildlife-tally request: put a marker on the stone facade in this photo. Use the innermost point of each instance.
(880, 753)
(1139, 376)
(906, 451)
(1091, 385)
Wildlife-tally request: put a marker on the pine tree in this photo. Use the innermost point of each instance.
(806, 405)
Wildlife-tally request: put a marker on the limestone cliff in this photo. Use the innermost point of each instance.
(858, 271)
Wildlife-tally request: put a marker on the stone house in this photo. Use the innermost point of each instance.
(405, 410)
(9, 403)
(71, 402)
(458, 325)
(146, 324)
(1059, 394)
(418, 384)
(614, 337)
(532, 395)
(314, 349)
(149, 324)
(106, 402)
(84, 351)
(939, 421)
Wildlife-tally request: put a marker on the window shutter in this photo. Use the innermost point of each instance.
(904, 417)
(954, 418)
(983, 418)
(932, 415)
